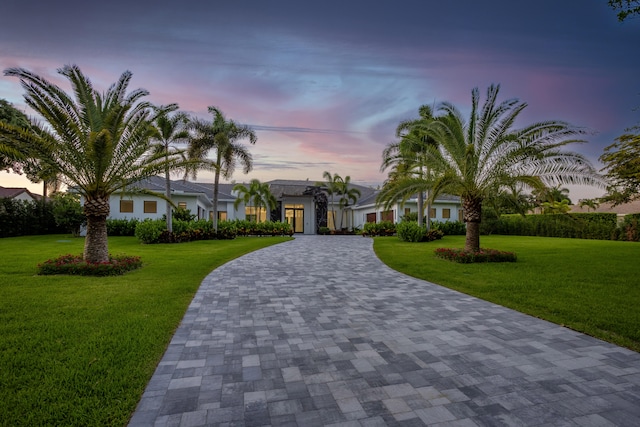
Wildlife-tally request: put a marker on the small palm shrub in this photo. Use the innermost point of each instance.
(483, 255)
(75, 265)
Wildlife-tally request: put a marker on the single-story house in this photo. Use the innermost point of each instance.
(303, 204)
(16, 193)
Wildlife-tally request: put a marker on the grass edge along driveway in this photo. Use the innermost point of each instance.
(591, 286)
(79, 351)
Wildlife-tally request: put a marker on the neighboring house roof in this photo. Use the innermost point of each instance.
(13, 192)
(624, 209)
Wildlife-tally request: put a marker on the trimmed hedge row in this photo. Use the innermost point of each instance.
(27, 218)
(601, 226)
(155, 231)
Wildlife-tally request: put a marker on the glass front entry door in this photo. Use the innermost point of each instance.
(295, 217)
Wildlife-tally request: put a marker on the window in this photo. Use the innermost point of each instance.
(432, 213)
(371, 217)
(446, 213)
(255, 214)
(182, 205)
(387, 216)
(126, 205)
(222, 215)
(407, 211)
(460, 215)
(150, 206)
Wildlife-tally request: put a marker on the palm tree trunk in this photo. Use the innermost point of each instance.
(420, 209)
(472, 207)
(167, 193)
(96, 244)
(216, 183)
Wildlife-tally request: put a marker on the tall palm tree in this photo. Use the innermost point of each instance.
(221, 135)
(477, 156)
(98, 143)
(170, 130)
(258, 195)
(347, 195)
(408, 173)
(331, 185)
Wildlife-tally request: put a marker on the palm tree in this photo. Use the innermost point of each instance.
(98, 143)
(258, 195)
(477, 156)
(347, 194)
(169, 131)
(332, 185)
(221, 135)
(590, 204)
(405, 159)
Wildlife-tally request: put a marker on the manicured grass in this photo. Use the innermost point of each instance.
(592, 286)
(79, 351)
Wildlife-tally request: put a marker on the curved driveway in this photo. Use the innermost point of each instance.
(317, 331)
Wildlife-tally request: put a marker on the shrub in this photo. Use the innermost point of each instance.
(226, 230)
(183, 214)
(122, 227)
(75, 265)
(25, 218)
(576, 225)
(150, 230)
(67, 212)
(450, 228)
(323, 230)
(409, 231)
(382, 228)
(483, 255)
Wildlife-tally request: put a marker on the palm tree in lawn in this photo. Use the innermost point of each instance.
(258, 195)
(223, 136)
(332, 185)
(347, 195)
(98, 143)
(477, 156)
(408, 174)
(170, 130)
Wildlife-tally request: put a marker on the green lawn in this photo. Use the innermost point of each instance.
(592, 286)
(79, 351)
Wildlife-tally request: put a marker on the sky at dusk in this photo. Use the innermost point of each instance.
(325, 84)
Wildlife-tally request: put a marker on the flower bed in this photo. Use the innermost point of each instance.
(483, 255)
(75, 265)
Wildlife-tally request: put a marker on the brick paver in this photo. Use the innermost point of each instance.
(318, 332)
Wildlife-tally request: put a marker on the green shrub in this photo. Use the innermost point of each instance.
(409, 231)
(227, 230)
(122, 227)
(382, 228)
(75, 265)
(324, 230)
(68, 213)
(450, 228)
(26, 218)
(150, 230)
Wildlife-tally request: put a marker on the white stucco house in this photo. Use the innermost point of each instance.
(303, 204)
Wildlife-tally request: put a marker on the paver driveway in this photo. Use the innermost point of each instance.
(317, 331)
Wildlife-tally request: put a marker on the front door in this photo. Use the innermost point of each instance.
(295, 217)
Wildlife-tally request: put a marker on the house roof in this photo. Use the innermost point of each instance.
(623, 209)
(12, 192)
